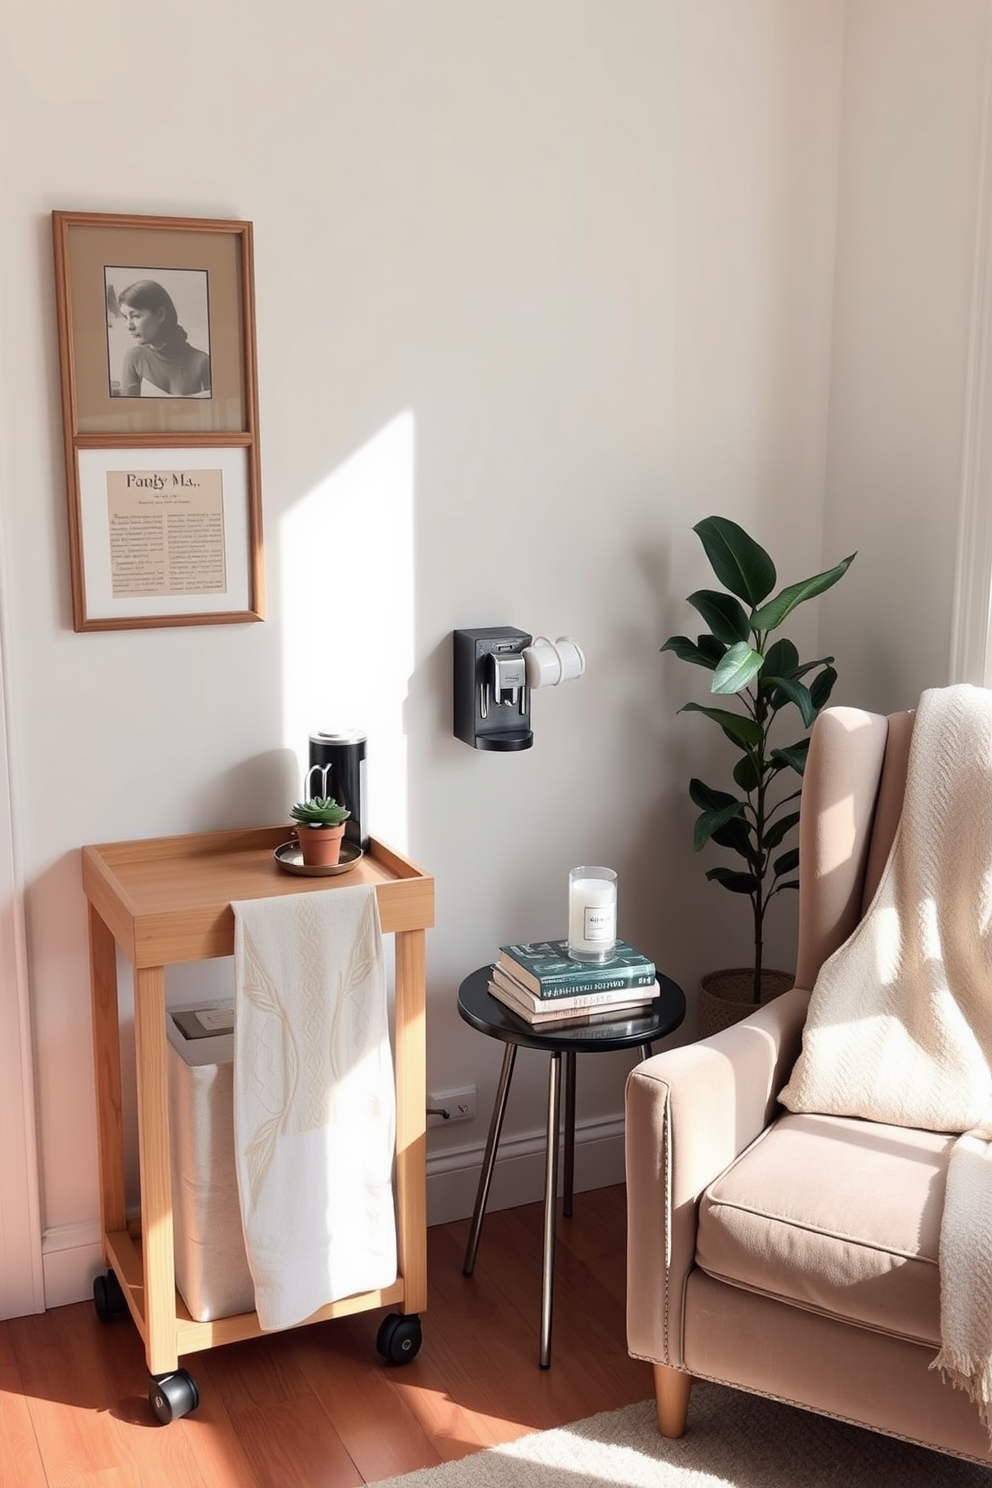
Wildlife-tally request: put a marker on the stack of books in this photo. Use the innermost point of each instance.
(538, 981)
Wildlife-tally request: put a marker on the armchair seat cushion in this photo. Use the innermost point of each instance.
(834, 1214)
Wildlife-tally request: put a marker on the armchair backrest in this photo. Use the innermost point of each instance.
(853, 788)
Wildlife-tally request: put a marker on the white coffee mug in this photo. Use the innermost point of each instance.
(547, 663)
(573, 661)
(542, 663)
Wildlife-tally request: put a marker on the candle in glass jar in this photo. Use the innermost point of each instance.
(592, 914)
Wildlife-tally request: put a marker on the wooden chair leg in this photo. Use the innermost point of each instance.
(671, 1391)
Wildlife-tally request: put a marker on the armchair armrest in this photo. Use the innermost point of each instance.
(689, 1112)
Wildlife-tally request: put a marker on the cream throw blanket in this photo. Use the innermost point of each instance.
(314, 1100)
(900, 1021)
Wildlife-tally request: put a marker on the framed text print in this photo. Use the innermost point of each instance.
(156, 332)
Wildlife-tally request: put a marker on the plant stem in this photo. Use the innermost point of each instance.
(760, 711)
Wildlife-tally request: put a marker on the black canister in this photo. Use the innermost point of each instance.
(343, 756)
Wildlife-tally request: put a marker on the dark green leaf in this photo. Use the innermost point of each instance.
(771, 615)
(739, 666)
(795, 692)
(711, 647)
(779, 829)
(736, 836)
(687, 650)
(809, 666)
(771, 690)
(722, 818)
(708, 799)
(742, 731)
(710, 822)
(737, 883)
(792, 883)
(746, 773)
(723, 614)
(793, 755)
(822, 686)
(741, 565)
(782, 659)
(787, 863)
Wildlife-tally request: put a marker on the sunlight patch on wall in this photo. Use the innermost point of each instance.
(347, 587)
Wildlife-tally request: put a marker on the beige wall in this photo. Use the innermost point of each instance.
(909, 196)
(539, 285)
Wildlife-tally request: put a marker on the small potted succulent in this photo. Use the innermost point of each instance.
(319, 830)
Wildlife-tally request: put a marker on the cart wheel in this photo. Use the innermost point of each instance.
(399, 1337)
(172, 1395)
(108, 1298)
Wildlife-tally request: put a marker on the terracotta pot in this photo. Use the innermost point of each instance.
(320, 846)
(725, 997)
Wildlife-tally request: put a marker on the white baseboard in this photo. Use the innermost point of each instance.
(72, 1255)
(518, 1178)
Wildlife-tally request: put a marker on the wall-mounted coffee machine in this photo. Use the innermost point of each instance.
(495, 670)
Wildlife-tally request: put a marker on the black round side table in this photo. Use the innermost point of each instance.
(484, 1012)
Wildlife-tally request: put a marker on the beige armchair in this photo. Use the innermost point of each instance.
(794, 1255)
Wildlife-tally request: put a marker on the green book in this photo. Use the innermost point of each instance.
(545, 967)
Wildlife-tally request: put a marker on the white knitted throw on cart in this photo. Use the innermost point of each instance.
(314, 1100)
(900, 1021)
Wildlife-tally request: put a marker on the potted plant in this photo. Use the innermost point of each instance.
(767, 678)
(319, 830)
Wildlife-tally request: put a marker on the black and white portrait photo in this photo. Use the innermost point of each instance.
(158, 332)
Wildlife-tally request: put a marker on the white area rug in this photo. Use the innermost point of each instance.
(733, 1439)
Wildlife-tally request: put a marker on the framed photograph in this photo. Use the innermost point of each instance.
(157, 361)
(159, 303)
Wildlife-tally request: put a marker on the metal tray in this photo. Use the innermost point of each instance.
(290, 857)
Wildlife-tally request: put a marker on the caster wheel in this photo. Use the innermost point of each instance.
(399, 1337)
(108, 1298)
(172, 1395)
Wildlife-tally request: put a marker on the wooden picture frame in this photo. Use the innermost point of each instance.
(156, 330)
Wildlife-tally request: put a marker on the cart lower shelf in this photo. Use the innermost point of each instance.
(174, 1393)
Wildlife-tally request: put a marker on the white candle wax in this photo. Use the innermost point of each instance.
(592, 915)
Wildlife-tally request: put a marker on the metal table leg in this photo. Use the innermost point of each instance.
(568, 1182)
(550, 1204)
(489, 1157)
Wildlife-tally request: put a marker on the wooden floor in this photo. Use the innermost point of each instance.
(316, 1407)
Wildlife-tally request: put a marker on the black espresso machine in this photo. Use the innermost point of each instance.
(342, 757)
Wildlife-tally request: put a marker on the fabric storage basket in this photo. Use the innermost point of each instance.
(211, 1266)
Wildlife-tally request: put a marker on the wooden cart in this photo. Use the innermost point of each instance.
(168, 899)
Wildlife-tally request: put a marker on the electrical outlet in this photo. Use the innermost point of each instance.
(460, 1105)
